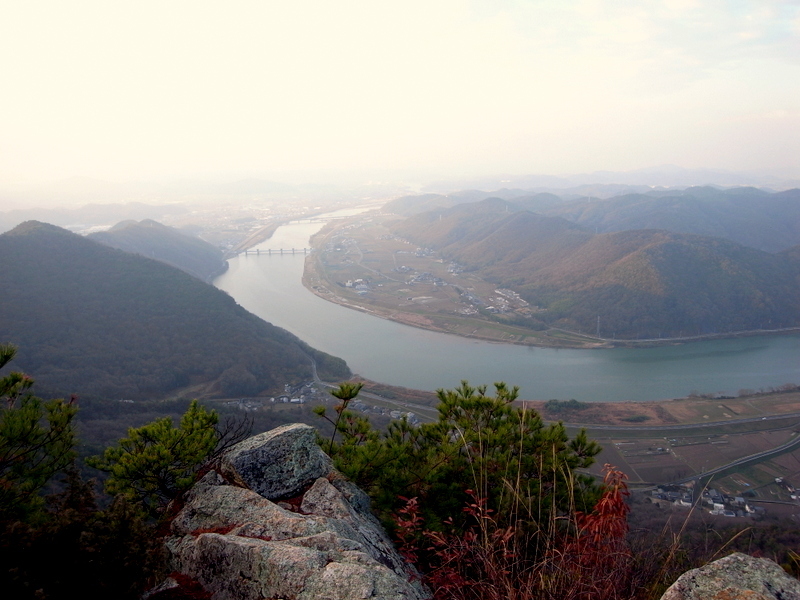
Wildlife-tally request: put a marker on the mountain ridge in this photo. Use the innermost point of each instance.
(768, 221)
(100, 322)
(152, 239)
(639, 283)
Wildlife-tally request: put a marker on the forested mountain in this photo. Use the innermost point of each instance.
(100, 322)
(89, 214)
(412, 205)
(408, 206)
(154, 240)
(749, 216)
(641, 283)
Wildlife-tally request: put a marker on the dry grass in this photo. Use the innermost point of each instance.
(573, 556)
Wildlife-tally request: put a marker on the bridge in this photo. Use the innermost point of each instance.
(280, 251)
(320, 219)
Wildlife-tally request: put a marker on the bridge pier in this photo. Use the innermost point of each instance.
(281, 251)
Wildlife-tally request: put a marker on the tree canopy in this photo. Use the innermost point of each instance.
(158, 461)
(37, 441)
(481, 442)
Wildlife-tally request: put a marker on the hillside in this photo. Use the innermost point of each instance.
(640, 283)
(166, 244)
(89, 214)
(412, 205)
(749, 216)
(408, 206)
(100, 322)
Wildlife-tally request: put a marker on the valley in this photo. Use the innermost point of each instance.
(362, 264)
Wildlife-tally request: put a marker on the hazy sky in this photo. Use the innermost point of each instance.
(128, 90)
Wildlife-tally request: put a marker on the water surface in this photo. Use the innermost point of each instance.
(385, 351)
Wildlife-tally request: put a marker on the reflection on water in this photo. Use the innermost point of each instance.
(270, 286)
(716, 349)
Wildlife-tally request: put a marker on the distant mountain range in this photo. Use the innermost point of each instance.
(100, 322)
(166, 244)
(89, 215)
(518, 199)
(603, 182)
(641, 283)
(763, 220)
(749, 216)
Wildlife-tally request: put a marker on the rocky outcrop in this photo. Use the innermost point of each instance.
(735, 577)
(277, 463)
(277, 521)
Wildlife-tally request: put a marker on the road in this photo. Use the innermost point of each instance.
(594, 427)
(429, 413)
(758, 457)
(423, 411)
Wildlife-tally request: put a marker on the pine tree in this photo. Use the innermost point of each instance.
(504, 453)
(37, 440)
(158, 461)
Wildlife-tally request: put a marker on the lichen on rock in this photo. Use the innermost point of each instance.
(233, 538)
(735, 577)
(277, 463)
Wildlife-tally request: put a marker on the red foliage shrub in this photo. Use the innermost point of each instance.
(582, 556)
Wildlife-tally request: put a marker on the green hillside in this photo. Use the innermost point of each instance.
(100, 322)
(641, 283)
(154, 240)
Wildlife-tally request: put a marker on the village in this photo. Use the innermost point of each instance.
(309, 393)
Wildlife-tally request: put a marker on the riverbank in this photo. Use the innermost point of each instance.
(359, 264)
(317, 282)
(750, 439)
(416, 357)
(699, 410)
(255, 238)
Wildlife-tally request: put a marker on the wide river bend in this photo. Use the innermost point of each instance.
(385, 351)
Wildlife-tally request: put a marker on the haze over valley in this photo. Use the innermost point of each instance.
(218, 219)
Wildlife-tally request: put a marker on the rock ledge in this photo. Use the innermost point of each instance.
(735, 577)
(238, 540)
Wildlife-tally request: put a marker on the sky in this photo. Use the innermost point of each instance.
(126, 91)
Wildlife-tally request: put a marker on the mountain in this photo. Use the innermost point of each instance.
(492, 231)
(89, 215)
(640, 283)
(764, 220)
(413, 205)
(669, 176)
(100, 322)
(166, 244)
(749, 216)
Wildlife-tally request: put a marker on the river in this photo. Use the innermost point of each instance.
(385, 351)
